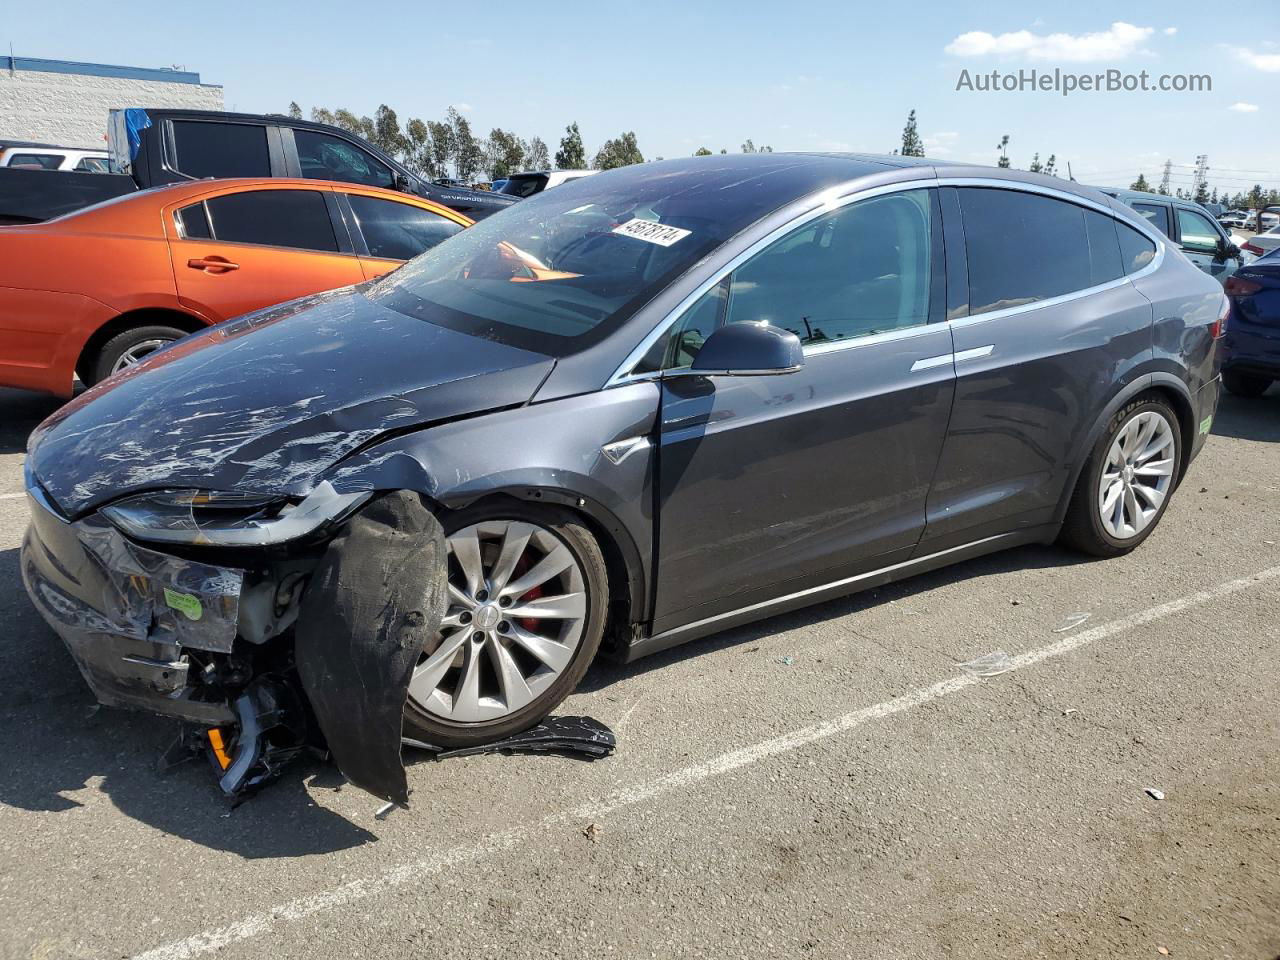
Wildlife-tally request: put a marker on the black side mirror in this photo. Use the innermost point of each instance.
(1228, 249)
(749, 350)
(400, 182)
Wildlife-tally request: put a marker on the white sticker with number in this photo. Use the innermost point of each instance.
(651, 232)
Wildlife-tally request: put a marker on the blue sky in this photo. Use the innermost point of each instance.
(817, 75)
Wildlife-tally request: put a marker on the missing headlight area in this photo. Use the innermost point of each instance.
(268, 651)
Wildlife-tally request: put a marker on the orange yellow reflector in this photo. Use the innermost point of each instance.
(219, 748)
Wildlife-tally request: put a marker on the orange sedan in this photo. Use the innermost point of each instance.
(95, 291)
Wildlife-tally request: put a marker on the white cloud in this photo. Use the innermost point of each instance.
(464, 107)
(940, 144)
(1244, 107)
(1268, 62)
(1120, 41)
(1170, 31)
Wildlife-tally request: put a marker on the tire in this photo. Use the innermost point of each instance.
(135, 340)
(1245, 384)
(438, 710)
(1091, 530)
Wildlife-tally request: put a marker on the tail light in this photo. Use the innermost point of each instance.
(1240, 287)
(1254, 249)
(1218, 329)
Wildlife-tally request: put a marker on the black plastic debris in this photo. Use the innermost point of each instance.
(576, 736)
(378, 594)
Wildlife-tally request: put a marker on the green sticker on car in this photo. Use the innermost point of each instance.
(185, 603)
(1206, 423)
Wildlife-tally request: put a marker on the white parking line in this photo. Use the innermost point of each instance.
(12, 496)
(361, 889)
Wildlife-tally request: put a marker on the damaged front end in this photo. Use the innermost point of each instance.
(266, 626)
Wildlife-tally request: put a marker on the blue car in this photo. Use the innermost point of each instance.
(1252, 359)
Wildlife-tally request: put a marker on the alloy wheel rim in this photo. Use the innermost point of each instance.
(515, 618)
(1137, 475)
(136, 353)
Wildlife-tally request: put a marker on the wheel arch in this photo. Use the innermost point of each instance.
(627, 581)
(1161, 384)
(141, 317)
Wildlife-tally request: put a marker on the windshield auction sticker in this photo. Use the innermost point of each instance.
(651, 232)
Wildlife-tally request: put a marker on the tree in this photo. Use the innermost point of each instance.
(442, 147)
(621, 152)
(505, 152)
(386, 132)
(536, 157)
(572, 155)
(1257, 200)
(1141, 184)
(417, 153)
(295, 111)
(1051, 166)
(702, 152)
(750, 147)
(1036, 165)
(467, 152)
(912, 145)
(321, 115)
(1003, 147)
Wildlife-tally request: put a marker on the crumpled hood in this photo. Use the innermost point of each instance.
(270, 401)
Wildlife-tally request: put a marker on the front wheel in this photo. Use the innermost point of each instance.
(528, 596)
(1125, 486)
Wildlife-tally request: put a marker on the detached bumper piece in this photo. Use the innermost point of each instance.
(378, 594)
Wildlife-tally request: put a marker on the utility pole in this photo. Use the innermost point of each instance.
(1164, 181)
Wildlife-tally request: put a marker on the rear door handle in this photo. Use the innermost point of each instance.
(215, 264)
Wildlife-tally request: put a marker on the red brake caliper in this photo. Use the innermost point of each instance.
(521, 567)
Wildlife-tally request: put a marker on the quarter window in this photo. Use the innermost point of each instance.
(195, 224)
(1157, 214)
(36, 161)
(325, 157)
(399, 231)
(276, 218)
(1025, 247)
(1196, 232)
(1136, 250)
(212, 149)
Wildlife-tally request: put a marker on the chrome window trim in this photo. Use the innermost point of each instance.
(834, 198)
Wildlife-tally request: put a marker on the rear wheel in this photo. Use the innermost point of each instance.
(1125, 486)
(528, 594)
(1245, 384)
(130, 347)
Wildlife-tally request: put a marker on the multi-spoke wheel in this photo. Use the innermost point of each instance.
(527, 594)
(129, 348)
(1125, 487)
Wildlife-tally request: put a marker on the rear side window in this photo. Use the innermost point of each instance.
(275, 218)
(399, 231)
(1135, 249)
(210, 149)
(194, 222)
(92, 165)
(1024, 247)
(324, 157)
(36, 161)
(1157, 214)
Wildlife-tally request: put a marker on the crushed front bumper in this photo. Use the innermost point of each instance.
(133, 619)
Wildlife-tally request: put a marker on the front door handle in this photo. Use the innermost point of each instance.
(213, 264)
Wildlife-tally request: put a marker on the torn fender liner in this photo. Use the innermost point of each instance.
(379, 593)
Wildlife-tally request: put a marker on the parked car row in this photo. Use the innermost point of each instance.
(634, 410)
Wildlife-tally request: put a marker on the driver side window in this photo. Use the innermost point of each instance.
(858, 271)
(324, 157)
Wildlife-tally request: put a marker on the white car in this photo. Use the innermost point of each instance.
(1263, 243)
(527, 184)
(54, 158)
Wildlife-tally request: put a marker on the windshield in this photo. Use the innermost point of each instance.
(561, 270)
(525, 185)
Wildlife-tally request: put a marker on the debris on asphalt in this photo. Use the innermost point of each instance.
(591, 831)
(1067, 713)
(581, 736)
(785, 661)
(1163, 951)
(1153, 793)
(1072, 621)
(384, 811)
(989, 665)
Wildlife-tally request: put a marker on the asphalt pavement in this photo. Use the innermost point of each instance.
(827, 783)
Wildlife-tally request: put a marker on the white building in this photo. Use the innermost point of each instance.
(65, 104)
